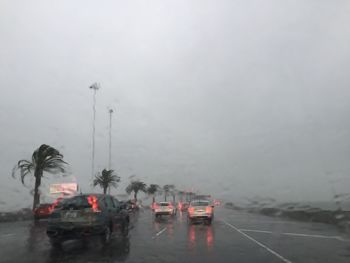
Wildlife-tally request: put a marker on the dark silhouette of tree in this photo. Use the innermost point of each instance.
(44, 159)
(167, 189)
(152, 190)
(136, 186)
(106, 179)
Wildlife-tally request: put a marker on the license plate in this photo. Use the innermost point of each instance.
(70, 214)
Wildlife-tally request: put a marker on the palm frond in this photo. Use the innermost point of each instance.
(106, 179)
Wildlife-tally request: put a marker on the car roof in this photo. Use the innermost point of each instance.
(88, 194)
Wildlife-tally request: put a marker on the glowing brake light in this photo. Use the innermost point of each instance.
(208, 210)
(155, 206)
(191, 210)
(92, 200)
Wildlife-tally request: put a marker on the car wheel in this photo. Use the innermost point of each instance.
(55, 242)
(106, 236)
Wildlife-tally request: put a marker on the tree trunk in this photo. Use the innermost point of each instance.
(173, 199)
(104, 190)
(165, 194)
(135, 196)
(153, 199)
(37, 174)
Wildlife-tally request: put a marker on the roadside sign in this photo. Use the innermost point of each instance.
(64, 188)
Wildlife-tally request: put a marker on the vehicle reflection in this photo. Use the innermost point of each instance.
(199, 234)
(182, 216)
(117, 251)
(37, 235)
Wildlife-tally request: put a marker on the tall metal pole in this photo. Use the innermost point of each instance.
(110, 139)
(110, 111)
(94, 87)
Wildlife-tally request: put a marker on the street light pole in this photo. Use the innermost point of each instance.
(94, 87)
(110, 111)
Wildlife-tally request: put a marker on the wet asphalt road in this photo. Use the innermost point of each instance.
(233, 237)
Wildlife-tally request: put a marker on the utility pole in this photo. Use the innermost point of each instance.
(94, 87)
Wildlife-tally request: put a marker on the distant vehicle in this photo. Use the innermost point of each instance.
(42, 211)
(200, 210)
(164, 208)
(217, 202)
(183, 206)
(127, 205)
(87, 215)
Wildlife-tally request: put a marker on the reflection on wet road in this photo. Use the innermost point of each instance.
(233, 237)
(199, 235)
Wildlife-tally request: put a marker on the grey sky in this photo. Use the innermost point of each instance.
(235, 98)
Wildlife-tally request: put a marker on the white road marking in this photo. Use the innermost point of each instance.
(293, 234)
(159, 233)
(265, 221)
(258, 243)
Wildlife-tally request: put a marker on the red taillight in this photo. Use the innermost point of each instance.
(170, 206)
(155, 206)
(92, 200)
(191, 210)
(54, 204)
(208, 210)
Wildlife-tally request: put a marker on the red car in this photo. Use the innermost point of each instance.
(42, 211)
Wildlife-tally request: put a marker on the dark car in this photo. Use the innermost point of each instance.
(87, 215)
(42, 211)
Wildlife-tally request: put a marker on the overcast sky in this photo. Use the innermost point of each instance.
(234, 98)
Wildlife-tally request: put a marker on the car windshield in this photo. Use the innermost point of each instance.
(222, 125)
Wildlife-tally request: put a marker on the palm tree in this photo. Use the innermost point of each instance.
(106, 179)
(167, 189)
(181, 194)
(44, 159)
(173, 192)
(152, 190)
(136, 186)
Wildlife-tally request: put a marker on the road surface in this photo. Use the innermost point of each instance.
(233, 237)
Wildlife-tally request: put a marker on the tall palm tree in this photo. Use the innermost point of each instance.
(136, 186)
(181, 194)
(152, 190)
(167, 189)
(44, 159)
(173, 192)
(106, 179)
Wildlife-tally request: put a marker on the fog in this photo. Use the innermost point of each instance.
(233, 98)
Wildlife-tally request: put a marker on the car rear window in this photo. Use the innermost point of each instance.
(74, 202)
(200, 203)
(164, 204)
